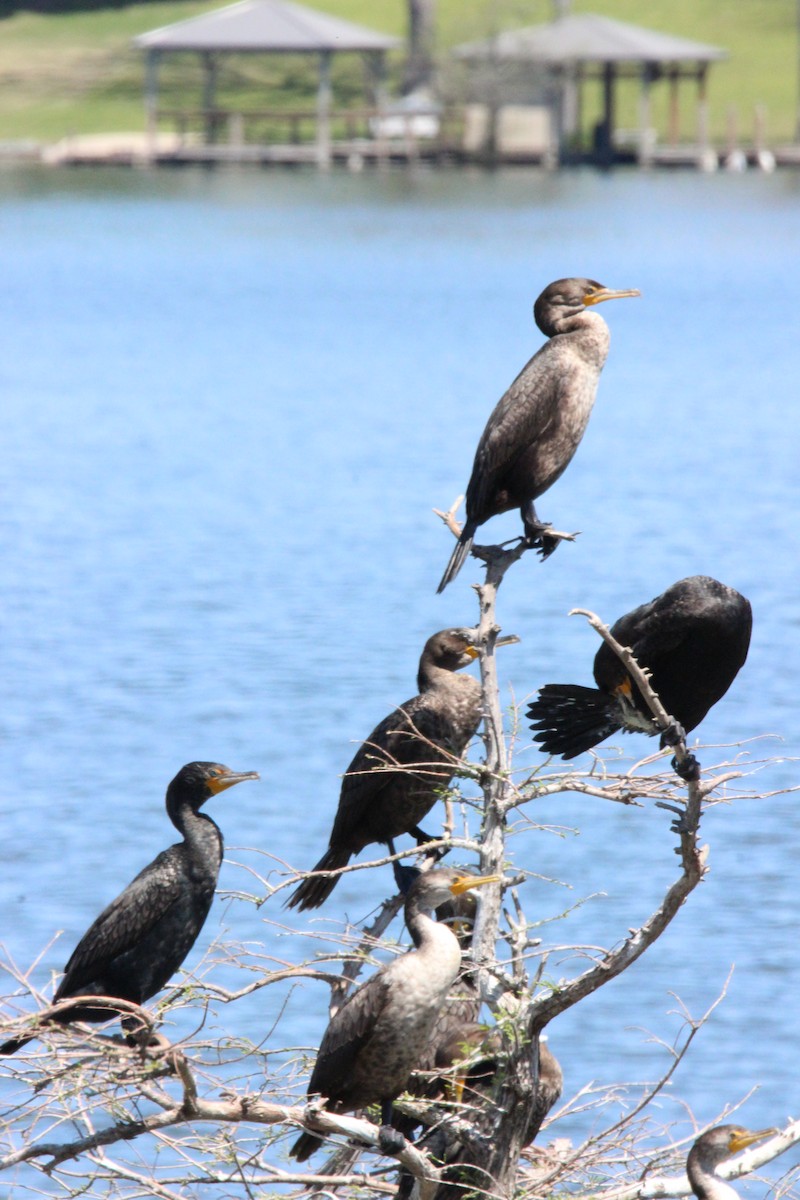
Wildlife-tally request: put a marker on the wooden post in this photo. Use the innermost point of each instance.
(152, 63)
(324, 111)
(209, 94)
(674, 111)
(609, 79)
(644, 150)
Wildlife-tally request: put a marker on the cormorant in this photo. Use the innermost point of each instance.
(537, 425)
(472, 1057)
(398, 773)
(712, 1148)
(693, 639)
(377, 1037)
(138, 942)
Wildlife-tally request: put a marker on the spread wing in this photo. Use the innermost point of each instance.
(126, 920)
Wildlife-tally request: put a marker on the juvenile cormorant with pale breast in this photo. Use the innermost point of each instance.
(375, 1040)
(537, 425)
(693, 639)
(138, 942)
(400, 770)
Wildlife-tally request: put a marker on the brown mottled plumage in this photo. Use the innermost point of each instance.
(138, 942)
(376, 1038)
(399, 772)
(537, 425)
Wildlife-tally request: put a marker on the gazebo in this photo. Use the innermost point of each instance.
(573, 49)
(262, 27)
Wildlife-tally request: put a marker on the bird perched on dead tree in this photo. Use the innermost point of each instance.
(375, 1040)
(693, 639)
(399, 772)
(536, 427)
(138, 942)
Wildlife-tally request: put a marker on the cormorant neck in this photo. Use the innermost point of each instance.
(423, 928)
(186, 819)
(431, 674)
(707, 1185)
(572, 320)
(714, 1188)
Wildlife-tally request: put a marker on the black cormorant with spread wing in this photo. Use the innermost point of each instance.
(138, 942)
(712, 1148)
(378, 1036)
(537, 425)
(400, 770)
(693, 639)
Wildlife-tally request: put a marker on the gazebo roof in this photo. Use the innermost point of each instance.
(589, 38)
(266, 26)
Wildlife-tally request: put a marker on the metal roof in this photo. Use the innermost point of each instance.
(267, 26)
(589, 38)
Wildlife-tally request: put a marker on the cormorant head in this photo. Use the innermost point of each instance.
(458, 911)
(199, 781)
(715, 1145)
(568, 297)
(452, 649)
(443, 885)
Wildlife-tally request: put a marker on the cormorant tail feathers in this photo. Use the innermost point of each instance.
(15, 1044)
(315, 891)
(571, 719)
(305, 1146)
(462, 549)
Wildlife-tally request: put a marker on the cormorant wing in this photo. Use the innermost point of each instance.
(520, 419)
(126, 920)
(401, 739)
(347, 1032)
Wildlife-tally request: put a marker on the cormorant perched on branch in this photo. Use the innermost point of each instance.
(712, 1148)
(138, 942)
(377, 1037)
(693, 639)
(398, 773)
(536, 427)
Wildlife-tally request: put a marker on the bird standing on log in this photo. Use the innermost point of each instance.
(377, 1037)
(138, 942)
(399, 772)
(537, 425)
(693, 639)
(712, 1148)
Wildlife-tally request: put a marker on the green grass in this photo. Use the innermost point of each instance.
(77, 72)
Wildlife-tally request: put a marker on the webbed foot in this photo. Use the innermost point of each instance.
(542, 538)
(390, 1140)
(688, 770)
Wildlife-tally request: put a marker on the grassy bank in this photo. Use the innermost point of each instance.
(76, 72)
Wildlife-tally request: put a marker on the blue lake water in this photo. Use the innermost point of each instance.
(230, 403)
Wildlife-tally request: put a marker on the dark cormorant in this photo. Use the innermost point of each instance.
(536, 427)
(138, 942)
(712, 1148)
(693, 639)
(377, 1037)
(381, 796)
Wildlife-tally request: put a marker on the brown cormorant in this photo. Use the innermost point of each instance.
(712, 1148)
(138, 942)
(693, 639)
(399, 772)
(473, 1058)
(377, 1037)
(537, 425)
